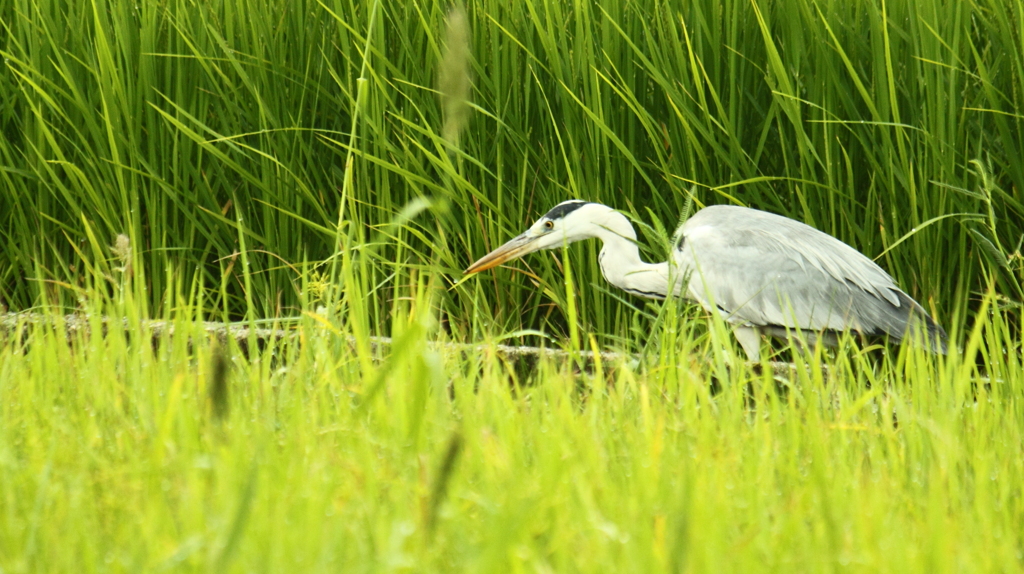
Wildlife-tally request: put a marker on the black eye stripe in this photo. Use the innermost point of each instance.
(564, 208)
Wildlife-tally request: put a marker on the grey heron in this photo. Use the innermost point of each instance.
(765, 273)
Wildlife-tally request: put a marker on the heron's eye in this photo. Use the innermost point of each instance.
(549, 225)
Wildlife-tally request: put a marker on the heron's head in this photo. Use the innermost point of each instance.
(567, 222)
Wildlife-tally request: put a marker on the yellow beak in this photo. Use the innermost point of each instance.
(514, 249)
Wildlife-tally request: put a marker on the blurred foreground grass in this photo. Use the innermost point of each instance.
(117, 456)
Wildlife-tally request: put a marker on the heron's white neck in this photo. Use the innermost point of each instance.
(621, 264)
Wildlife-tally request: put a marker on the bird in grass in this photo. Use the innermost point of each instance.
(766, 274)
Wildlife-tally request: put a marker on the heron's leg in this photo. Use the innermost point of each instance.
(803, 342)
(814, 340)
(807, 342)
(750, 339)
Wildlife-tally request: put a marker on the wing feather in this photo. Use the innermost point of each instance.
(767, 270)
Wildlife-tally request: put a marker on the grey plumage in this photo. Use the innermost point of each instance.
(776, 274)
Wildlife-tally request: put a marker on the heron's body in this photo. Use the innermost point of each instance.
(766, 274)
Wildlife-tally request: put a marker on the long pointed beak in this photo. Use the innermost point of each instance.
(514, 249)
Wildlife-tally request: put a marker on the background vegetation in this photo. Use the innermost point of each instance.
(289, 162)
(216, 134)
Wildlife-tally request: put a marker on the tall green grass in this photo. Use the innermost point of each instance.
(320, 455)
(216, 136)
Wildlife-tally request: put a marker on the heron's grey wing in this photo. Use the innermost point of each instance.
(767, 270)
